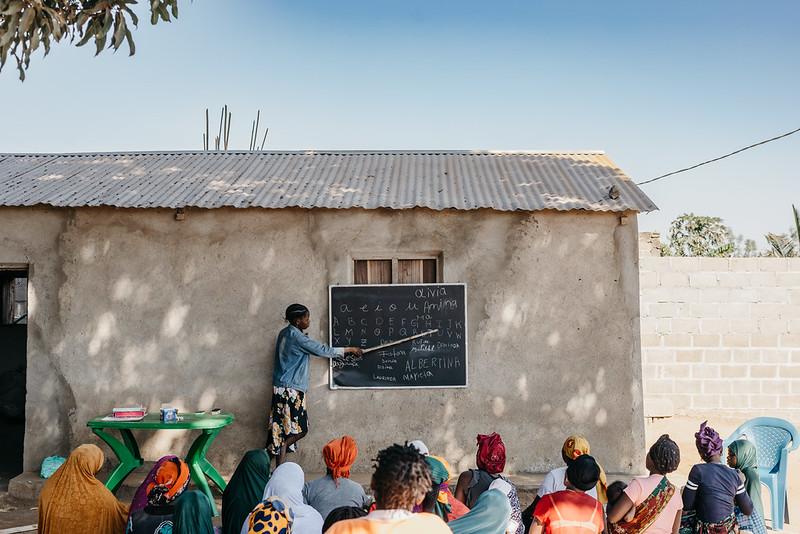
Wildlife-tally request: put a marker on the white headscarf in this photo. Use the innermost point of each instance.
(417, 444)
(286, 483)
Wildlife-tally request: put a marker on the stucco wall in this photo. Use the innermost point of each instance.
(722, 334)
(132, 305)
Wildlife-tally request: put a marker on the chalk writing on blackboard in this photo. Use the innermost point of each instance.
(417, 333)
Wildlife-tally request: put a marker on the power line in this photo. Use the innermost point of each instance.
(719, 158)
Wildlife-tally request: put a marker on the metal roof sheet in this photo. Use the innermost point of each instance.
(462, 180)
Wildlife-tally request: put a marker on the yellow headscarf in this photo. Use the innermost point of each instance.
(575, 446)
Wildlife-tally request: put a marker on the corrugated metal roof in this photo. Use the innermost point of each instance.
(462, 180)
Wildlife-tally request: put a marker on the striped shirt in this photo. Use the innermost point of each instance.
(712, 490)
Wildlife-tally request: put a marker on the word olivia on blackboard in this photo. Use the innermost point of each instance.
(414, 335)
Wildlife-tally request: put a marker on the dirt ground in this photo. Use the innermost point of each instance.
(681, 428)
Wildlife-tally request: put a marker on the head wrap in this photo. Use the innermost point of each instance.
(421, 447)
(747, 463)
(583, 473)
(271, 515)
(140, 498)
(287, 484)
(171, 479)
(491, 453)
(574, 446)
(193, 514)
(440, 476)
(245, 490)
(490, 515)
(708, 441)
(73, 500)
(339, 455)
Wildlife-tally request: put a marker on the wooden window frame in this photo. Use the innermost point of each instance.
(396, 259)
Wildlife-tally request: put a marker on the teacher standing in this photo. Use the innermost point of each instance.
(288, 419)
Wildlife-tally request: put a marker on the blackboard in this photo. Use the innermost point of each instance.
(370, 315)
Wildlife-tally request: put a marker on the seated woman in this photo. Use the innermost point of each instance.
(654, 501)
(491, 460)
(170, 482)
(73, 501)
(571, 511)
(401, 480)
(574, 446)
(140, 497)
(245, 490)
(193, 514)
(272, 516)
(441, 473)
(335, 489)
(490, 515)
(742, 456)
(286, 483)
(435, 501)
(712, 490)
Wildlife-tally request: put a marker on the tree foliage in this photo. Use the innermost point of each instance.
(786, 245)
(27, 24)
(697, 235)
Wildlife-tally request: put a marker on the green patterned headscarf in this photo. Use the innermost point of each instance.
(440, 475)
(746, 462)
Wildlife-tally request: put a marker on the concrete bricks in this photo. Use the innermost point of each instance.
(765, 371)
(721, 332)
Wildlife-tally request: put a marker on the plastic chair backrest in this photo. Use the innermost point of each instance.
(770, 435)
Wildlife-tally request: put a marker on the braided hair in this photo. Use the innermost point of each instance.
(665, 455)
(402, 478)
(294, 312)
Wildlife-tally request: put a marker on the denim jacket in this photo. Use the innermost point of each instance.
(291, 367)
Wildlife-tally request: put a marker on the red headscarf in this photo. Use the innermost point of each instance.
(339, 455)
(491, 453)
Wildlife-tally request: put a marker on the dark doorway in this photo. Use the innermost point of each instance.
(13, 363)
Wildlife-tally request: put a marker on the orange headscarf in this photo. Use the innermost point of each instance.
(339, 455)
(74, 501)
(171, 479)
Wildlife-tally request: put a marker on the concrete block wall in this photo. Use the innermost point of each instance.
(721, 333)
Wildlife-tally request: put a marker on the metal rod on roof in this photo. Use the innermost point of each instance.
(265, 139)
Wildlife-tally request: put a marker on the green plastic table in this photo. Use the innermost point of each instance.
(127, 450)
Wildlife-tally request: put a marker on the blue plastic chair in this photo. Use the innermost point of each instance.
(773, 439)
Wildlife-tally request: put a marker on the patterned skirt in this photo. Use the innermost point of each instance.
(287, 416)
(691, 524)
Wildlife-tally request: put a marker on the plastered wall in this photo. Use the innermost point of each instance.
(134, 306)
(722, 333)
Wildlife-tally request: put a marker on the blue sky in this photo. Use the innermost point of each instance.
(659, 86)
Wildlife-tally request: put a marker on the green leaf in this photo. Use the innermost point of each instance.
(13, 7)
(100, 42)
(88, 32)
(162, 10)
(26, 20)
(119, 31)
(129, 37)
(35, 39)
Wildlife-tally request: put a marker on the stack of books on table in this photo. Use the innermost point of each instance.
(129, 412)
